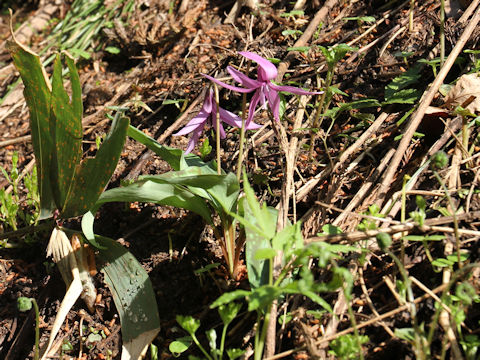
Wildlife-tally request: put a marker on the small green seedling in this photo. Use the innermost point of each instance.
(347, 347)
(11, 211)
(227, 313)
(25, 304)
(404, 55)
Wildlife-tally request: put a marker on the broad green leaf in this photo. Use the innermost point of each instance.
(266, 219)
(147, 191)
(226, 193)
(158, 193)
(68, 131)
(289, 239)
(260, 227)
(38, 95)
(93, 174)
(133, 295)
(258, 269)
(221, 190)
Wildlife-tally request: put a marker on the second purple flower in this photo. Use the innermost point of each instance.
(208, 114)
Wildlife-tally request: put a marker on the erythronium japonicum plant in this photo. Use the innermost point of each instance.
(265, 91)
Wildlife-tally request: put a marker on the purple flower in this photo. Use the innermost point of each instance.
(265, 90)
(208, 113)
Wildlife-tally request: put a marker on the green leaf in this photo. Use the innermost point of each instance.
(228, 312)
(359, 104)
(412, 76)
(38, 96)
(132, 293)
(265, 254)
(329, 229)
(289, 239)
(261, 297)
(93, 174)
(257, 238)
(303, 49)
(265, 218)
(234, 353)
(424, 237)
(221, 190)
(112, 50)
(442, 262)
(229, 297)
(360, 18)
(188, 323)
(180, 345)
(407, 334)
(68, 130)
(158, 193)
(80, 53)
(404, 96)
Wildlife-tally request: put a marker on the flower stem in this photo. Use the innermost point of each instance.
(37, 328)
(242, 130)
(217, 132)
(242, 137)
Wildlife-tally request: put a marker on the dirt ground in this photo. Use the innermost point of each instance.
(163, 47)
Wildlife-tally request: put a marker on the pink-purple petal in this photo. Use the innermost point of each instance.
(196, 122)
(230, 118)
(208, 102)
(274, 103)
(266, 70)
(226, 86)
(193, 141)
(253, 104)
(243, 79)
(293, 89)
